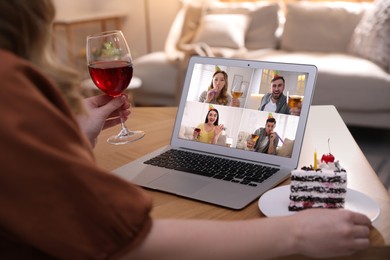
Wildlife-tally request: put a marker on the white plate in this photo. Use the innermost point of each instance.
(275, 203)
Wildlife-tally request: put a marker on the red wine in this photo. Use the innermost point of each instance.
(111, 77)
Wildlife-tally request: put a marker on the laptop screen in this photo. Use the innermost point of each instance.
(247, 109)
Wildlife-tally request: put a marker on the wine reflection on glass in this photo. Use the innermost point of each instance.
(254, 137)
(197, 133)
(238, 90)
(110, 66)
(252, 142)
(295, 104)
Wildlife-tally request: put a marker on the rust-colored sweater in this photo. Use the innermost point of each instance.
(55, 202)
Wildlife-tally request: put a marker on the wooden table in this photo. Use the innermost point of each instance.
(324, 122)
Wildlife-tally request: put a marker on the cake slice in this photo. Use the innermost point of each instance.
(325, 187)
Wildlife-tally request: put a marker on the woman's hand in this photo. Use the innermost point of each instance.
(235, 102)
(102, 112)
(196, 133)
(218, 130)
(210, 95)
(330, 232)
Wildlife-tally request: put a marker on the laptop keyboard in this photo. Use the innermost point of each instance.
(215, 167)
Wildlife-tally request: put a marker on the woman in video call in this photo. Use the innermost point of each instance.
(210, 130)
(217, 92)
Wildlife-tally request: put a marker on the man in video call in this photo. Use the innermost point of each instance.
(275, 101)
(267, 140)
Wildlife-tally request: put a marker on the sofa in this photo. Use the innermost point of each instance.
(348, 42)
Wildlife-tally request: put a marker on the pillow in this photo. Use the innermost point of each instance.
(186, 132)
(194, 12)
(371, 39)
(263, 17)
(183, 29)
(262, 29)
(321, 27)
(286, 149)
(222, 30)
(241, 140)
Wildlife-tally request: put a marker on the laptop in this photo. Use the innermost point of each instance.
(233, 191)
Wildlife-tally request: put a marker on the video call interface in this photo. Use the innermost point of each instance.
(259, 111)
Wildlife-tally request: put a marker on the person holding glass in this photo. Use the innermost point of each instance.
(217, 92)
(275, 101)
(264, 139)
(110, 66)
(210, 130)
(56, 203)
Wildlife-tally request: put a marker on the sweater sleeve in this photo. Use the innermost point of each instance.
(202, 96)
(54, 199)
(229, 100)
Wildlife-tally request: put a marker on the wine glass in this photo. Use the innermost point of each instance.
(238, 90)
(111, 68)
(254, 137)
(295, 104)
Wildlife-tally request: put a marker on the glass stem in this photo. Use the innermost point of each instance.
(122, 119)
(124, 131)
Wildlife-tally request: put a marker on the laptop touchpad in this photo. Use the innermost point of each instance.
(179, 183)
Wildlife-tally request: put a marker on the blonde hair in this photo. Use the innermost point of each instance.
(25, 30)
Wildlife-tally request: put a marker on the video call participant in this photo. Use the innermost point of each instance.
(210, 130)
(217, 92)
(267, 140)
(275, 101)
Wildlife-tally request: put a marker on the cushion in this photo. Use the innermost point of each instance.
(186, 132)
(264, 21)
(262, 29)
(286, 149)
(193, 13)
(183, 28)
(322, 27)
(371, 39)
(223, 30)
(241, 140)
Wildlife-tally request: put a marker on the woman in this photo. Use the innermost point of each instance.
(217, 92)
(56, 203)
(26, 33)
(210, 130)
